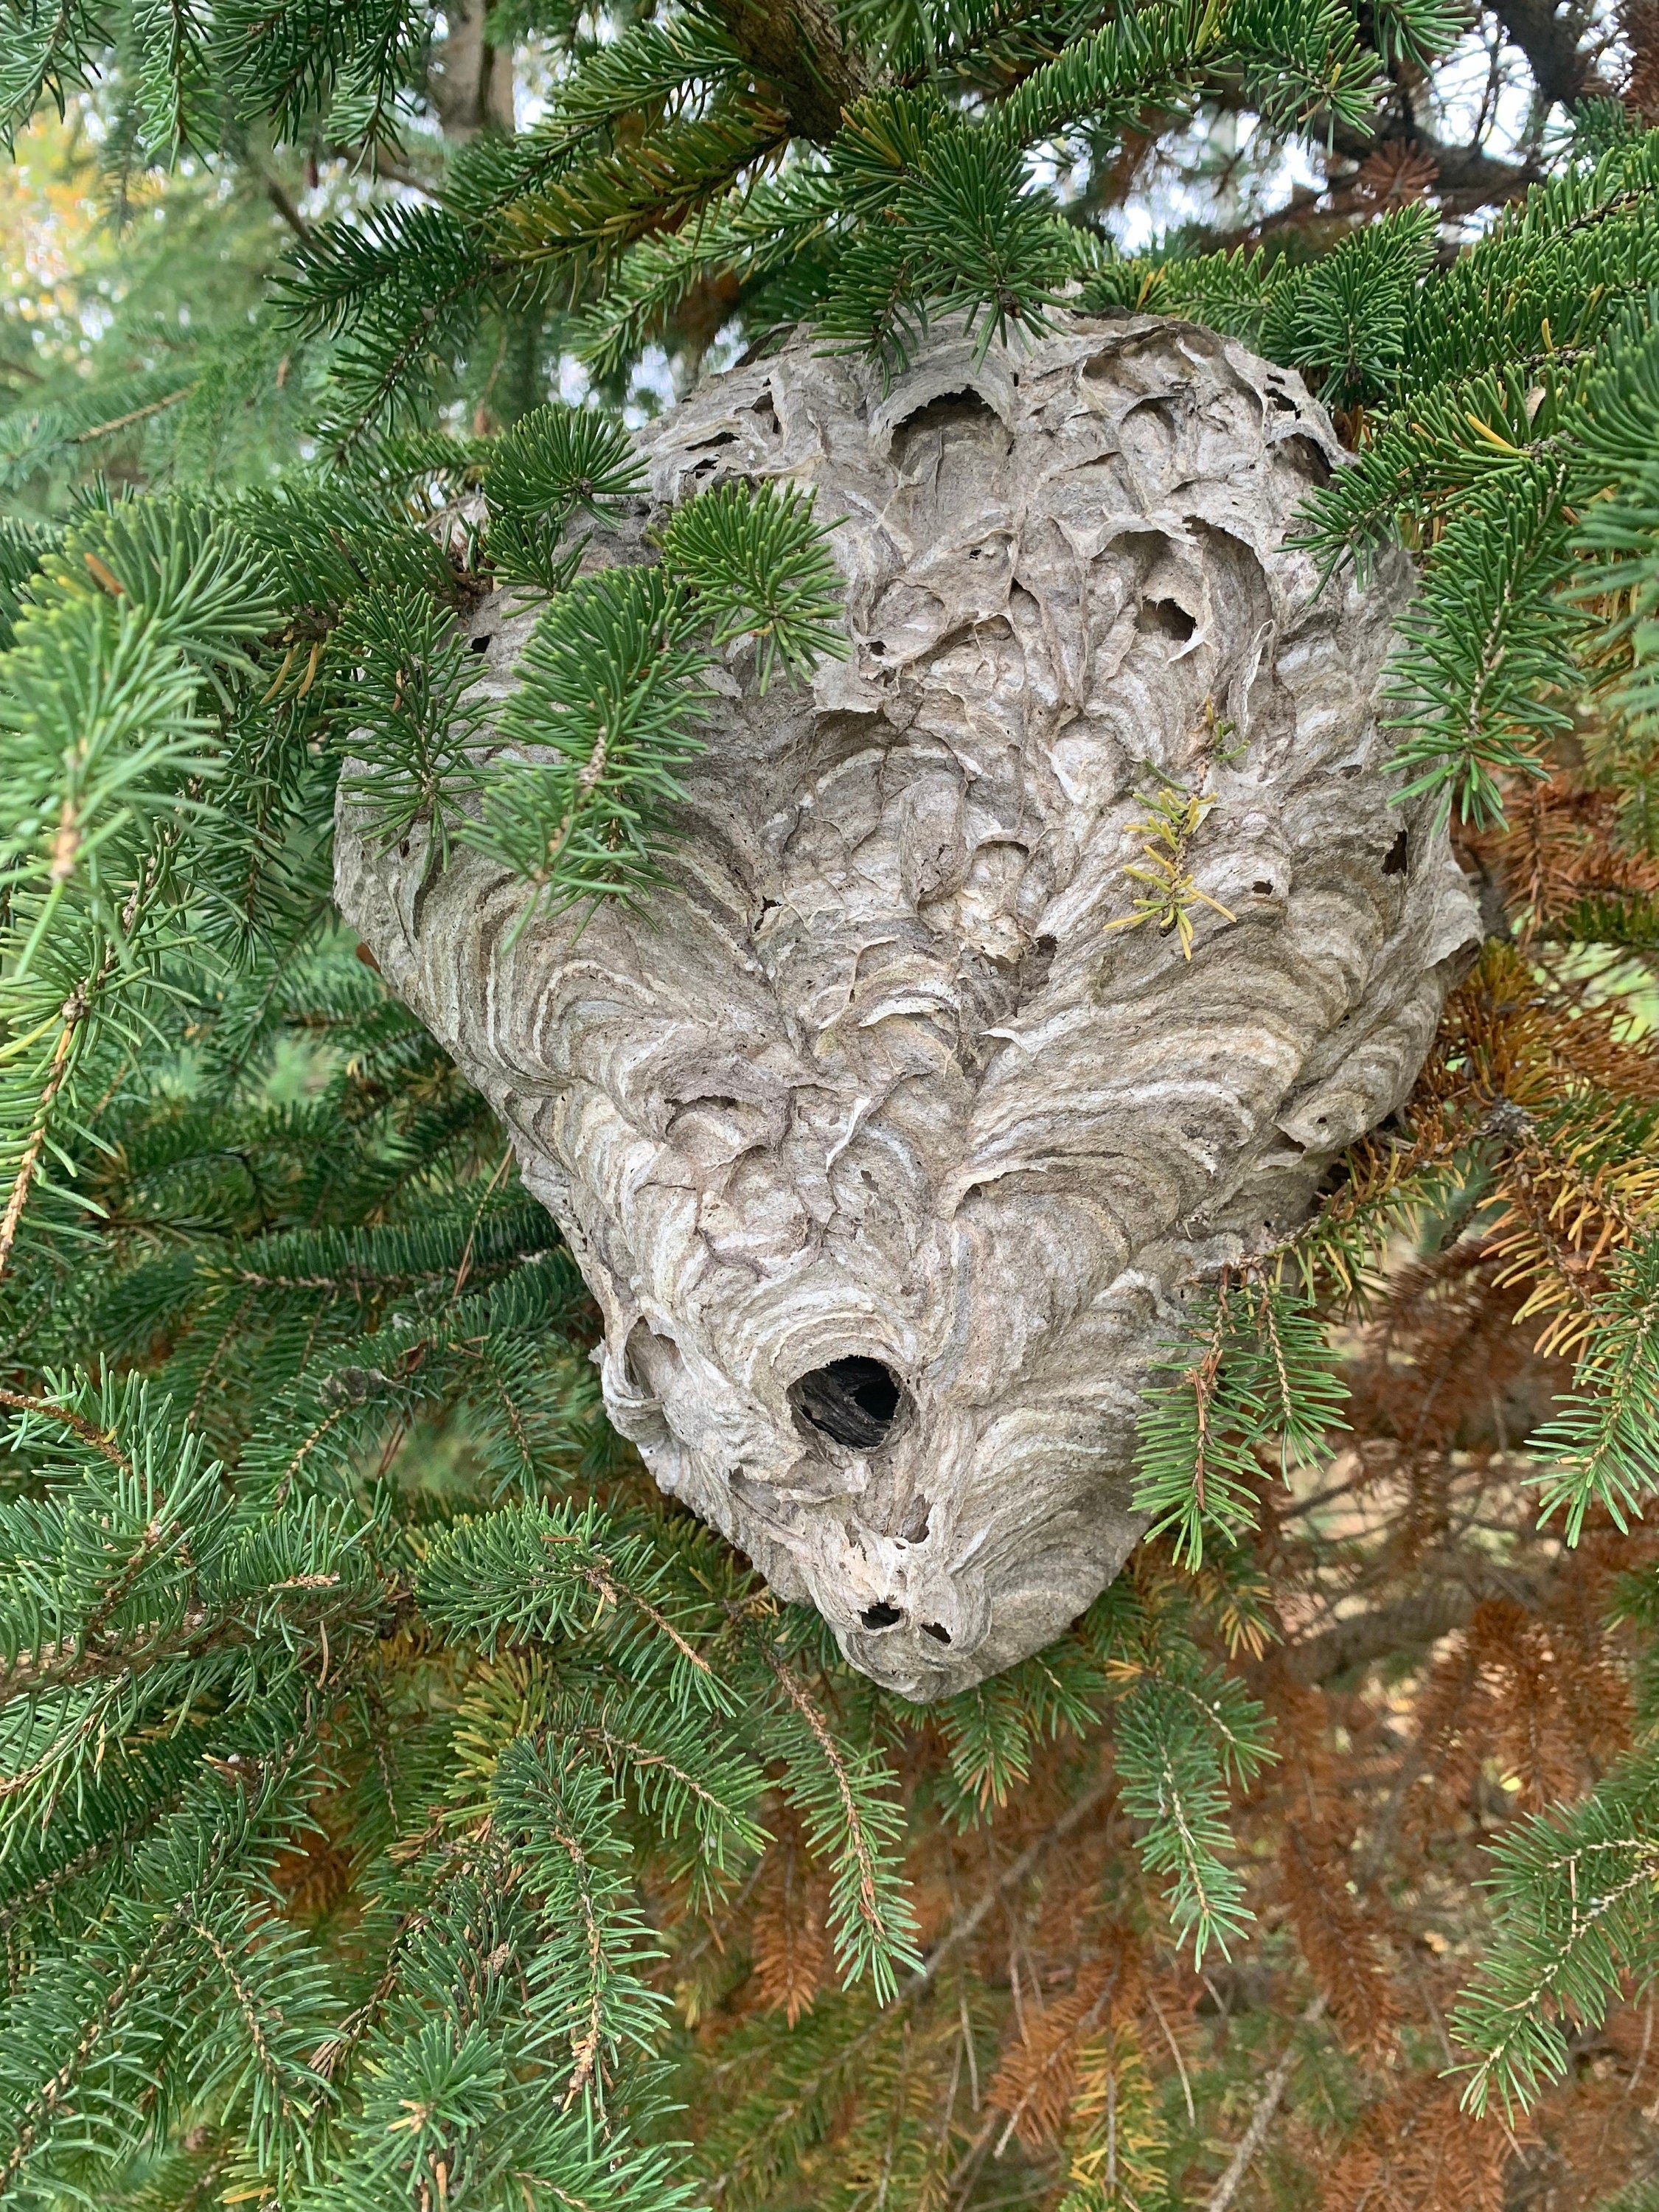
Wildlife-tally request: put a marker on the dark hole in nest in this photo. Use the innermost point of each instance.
(1305, 457)
(1398, 856)
(937, 1629)
(854, 1400)
(880, 1616)
(1167, 618)
(952, 413)
(479, 645)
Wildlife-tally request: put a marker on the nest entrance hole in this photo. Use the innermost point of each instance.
(855, 1401)
(882, 1615)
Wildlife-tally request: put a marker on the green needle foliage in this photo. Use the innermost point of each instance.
(610, 688)
(1603, 1447)
(1575, 1895)
(607, 709)
(414, 680)
(1258, 1381)
(398, 1797)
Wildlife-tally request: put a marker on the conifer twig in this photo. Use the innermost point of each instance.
(793, 1690)
(88, 1432)
(47, 2100)
(76, 1008)
(960, 1932)
(75, 1011)
(137, 415)
(1030, 1858)
(1262, 2117)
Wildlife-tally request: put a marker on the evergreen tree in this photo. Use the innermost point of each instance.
(401, 1803)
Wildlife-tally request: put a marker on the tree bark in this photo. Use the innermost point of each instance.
(1553, 41)
(799, 47)
(471, 80)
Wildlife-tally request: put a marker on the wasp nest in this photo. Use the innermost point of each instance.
(890, 1160)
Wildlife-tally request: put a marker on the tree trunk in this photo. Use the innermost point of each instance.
(471, 80)
(891, 1142)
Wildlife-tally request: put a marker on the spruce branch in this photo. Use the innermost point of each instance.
(1264, 1372)
(1267, 2108)
(604, 715)
(843, 1794)
(74, 1011)
(1574, 1893)
(1601, 1449)
(1170, 897)
(420, 721)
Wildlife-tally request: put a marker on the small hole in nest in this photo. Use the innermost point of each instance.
(939, 1633)
(880, 1616)
(854, 1402)
(951, 417)
(1167, 618)
(1305, 457)
(1262, 890)
(1398, 856)
(652, 1362)
(478, 645)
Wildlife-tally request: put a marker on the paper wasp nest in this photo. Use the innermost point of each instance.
(890, 1164)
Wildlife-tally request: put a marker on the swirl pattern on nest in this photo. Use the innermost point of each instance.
(890, 1165)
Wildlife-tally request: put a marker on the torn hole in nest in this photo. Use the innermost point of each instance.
(853, 1401)
(1167, 618)
(714, 1102)
(937, 1629)
(963, 412)
(651, 1362)
(880, 1616)
(1398, 856)
(1304, 456)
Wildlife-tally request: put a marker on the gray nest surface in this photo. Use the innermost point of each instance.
(891, 1164)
